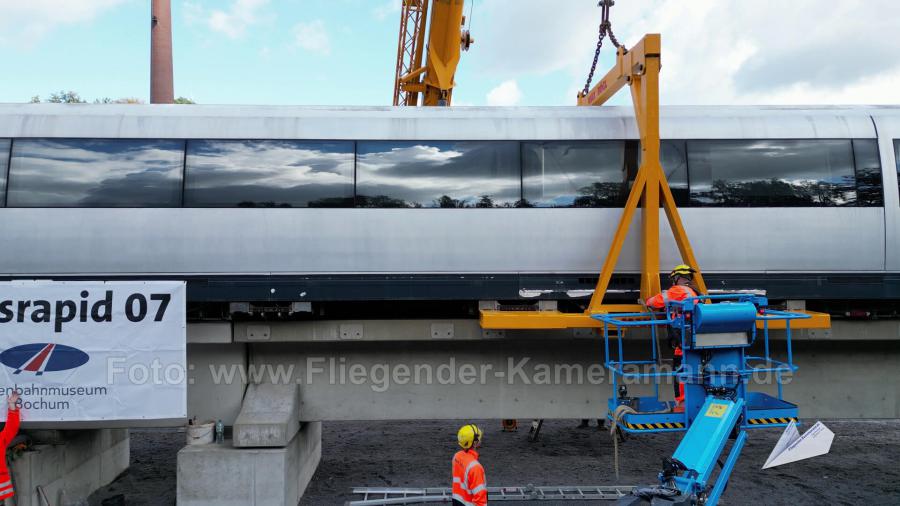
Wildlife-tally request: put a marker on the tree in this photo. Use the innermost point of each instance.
(63, 97)
(126, 100)
(485, 201)
(599, 194)
(72, 97)
(447, 202)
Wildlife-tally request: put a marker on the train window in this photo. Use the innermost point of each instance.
(573, 173)
(897, 160)
(95, 173)
(771, 173)
(4, 166)
(438, 174)
(868, 173)
(673, 157)
(268, 173)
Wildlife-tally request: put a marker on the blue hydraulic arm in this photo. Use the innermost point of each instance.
(715, 334)
(687, 477)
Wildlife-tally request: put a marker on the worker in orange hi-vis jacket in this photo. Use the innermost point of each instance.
(6, 436)
(682, 288)
(469, 487)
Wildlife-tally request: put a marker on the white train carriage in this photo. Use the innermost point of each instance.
(377, 203)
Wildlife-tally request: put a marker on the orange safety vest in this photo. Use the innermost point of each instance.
(676, 293)
(469, 487)
(6, 436)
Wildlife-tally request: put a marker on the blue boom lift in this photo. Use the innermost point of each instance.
(715, 333)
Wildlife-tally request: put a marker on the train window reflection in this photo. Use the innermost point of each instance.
(897, 160)
(673, 158)
(268, 173)
(771, 173)
(95, 173)
(868, 173)
(4, 166)
(573, 173)
(438, 174)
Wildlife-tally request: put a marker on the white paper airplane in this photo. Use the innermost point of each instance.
(792, 447)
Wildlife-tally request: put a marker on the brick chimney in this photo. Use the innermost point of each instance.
(161, 87)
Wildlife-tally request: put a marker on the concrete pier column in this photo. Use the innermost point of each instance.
(270, 460)
(222, 474)
(70, 466)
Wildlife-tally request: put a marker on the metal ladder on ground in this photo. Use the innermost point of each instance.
(377, 496)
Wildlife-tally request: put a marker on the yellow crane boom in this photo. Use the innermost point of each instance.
(433, 80)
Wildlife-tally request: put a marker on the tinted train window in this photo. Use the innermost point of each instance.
(573, 173)
(673, 158)
(437, 174)
(4, 166)
(95, 173)
(897, 160)
(771, 173)
(868, 173)
(268, 173)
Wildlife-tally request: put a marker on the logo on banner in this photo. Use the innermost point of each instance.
(39, 358)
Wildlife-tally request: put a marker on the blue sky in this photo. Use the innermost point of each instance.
(527, 52)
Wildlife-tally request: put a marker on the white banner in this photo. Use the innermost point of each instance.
(90, 351)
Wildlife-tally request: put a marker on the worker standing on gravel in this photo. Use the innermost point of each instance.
(683, 287)
(6, 436)
(469, 487)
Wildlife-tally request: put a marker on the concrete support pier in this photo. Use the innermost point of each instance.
(270, 460)
(69, 465)
(222, 474)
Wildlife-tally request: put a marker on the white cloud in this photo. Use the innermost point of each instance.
(192, 13)
(23, 23)
(506, 93)
(312, 36)
(714, 51)
(390, 8)
(234, 21)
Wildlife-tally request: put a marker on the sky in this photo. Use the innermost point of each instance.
(526, 52)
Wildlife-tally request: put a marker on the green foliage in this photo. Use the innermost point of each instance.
(72, 97)
(62, 97)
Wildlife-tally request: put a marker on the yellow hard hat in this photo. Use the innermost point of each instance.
(469, 436)
(682, 270)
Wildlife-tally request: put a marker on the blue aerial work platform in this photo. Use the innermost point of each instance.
(715, 334)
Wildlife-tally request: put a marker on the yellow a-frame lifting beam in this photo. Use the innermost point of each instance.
(639, 68)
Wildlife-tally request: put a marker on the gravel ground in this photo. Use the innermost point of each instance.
(862, 468)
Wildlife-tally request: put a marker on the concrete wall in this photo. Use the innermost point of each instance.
(529, 379)
(346, 370)
(71, 470)
(208, 397)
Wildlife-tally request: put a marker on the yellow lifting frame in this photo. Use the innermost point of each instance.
(639, 68)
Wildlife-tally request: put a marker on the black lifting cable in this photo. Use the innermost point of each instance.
(605, 29)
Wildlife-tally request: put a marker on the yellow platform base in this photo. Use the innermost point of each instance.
(555, 320)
